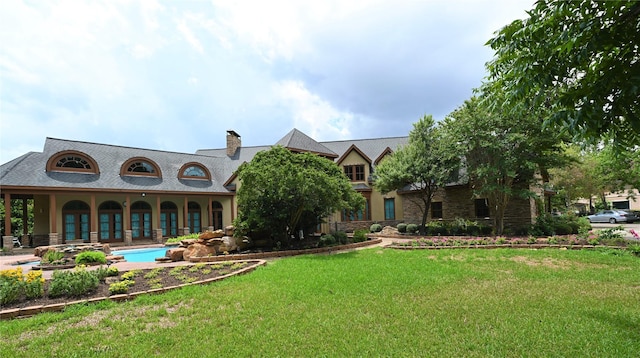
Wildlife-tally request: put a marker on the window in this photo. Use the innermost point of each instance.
(436, 210)
(72, 161)
(482, 208)
(193, 217)
(354, 172)
(76, 220)
(140, 220)
(217, 215)
(389, 208)
(110, 221)
(169, 219)
(194, 171)
(140, 166)
(360, 215)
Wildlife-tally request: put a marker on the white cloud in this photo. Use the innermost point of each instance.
(313, 115)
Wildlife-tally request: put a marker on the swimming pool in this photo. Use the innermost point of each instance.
(141, 255)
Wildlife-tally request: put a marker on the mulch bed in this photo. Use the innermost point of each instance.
(163, 277)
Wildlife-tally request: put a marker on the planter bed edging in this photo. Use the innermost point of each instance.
(33, 310)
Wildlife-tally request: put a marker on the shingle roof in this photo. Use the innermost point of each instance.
(298, 141)
(30, 169)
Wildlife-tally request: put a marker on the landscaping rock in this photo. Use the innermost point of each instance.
(211, 234)
(176, 254)
(389, 230)
(199, 250)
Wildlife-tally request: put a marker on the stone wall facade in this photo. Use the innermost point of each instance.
(459, 202)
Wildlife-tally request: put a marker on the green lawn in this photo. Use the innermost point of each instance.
(374, 302)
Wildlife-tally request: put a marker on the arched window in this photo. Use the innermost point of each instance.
(140, 166)
(72, 161)
(76, 220)
(194, 171)
(140, 220)
(110, 221)
(216, 208)
(193, 217)
(169, 219)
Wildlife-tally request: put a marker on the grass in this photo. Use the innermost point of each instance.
(375, 302)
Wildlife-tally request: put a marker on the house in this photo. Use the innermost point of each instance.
(96, 192)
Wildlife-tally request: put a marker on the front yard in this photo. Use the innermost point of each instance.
(372, 302)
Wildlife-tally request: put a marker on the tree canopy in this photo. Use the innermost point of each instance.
(426, 164)
(283, 192)
(502, 154)
(578, 59)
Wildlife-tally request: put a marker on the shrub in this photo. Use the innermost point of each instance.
(341, 237)
(91, 257)
(634, 249)
(102, 272)
(11, 285)
(437, 228)
(120, 287)
(412, 228)
(34, 284)
(327, 240)
(360, 235)
(375, 228)
(73, 283)
(174, 240)
(402, 228)
(129, 275)
(52, 257)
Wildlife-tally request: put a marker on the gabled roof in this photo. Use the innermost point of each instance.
(299, 142)
(371, 148)
(353, 148)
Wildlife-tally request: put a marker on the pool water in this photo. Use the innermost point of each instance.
(141, 255)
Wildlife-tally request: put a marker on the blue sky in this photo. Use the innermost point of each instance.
(175, 75)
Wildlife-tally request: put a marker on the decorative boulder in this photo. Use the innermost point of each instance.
(211, 234)
(176, 254)
(229, 230)
(199, 250)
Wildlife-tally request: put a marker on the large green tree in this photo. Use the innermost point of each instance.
(283, 192)
(503, 155)
(423, 166)
(579, 59)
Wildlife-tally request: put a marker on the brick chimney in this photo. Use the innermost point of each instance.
(233, 142)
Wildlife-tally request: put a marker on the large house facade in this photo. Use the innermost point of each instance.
(95, 192)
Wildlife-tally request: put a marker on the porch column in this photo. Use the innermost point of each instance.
(157, 232)
(185, 220)
(128, 234)
(7, 238)
(210, 209)
(53, 222)
(158, 213)
(7, 214)
(25, 219)
(93, 222)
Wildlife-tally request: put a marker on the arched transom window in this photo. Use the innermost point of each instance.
(72, 161)
(194, 171)
(140, 166)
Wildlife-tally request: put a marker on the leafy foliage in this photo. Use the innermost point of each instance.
(426, 164)
(580, 60)
(502, 153)
(284, 192)
(74, 283)
(91, 257)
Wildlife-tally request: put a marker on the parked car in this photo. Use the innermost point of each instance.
(612, 216)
